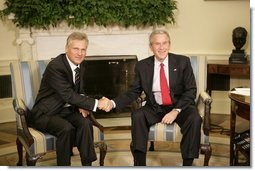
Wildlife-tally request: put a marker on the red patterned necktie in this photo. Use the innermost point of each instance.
(165, 91)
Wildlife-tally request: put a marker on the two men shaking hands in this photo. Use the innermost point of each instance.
(105, 104)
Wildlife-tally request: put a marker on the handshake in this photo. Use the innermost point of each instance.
(105, 104)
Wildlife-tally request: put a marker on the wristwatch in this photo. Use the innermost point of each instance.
(178, 110)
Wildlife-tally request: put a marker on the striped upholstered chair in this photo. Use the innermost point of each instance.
(171, 132)
(26, 76)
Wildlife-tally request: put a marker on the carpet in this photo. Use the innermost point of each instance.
(118, 155)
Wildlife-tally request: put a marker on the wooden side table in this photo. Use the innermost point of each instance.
(240, 105)
(223, 68)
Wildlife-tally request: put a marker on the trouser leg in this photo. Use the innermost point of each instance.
(140, 158)
(190, 123)
(84, 138)
(65, 134)
(141, 121)
(187, 162)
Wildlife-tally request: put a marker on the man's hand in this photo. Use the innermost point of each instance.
(105, 104)
(170, 117)
(84, 112)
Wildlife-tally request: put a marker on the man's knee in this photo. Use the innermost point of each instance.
(137, 115)
(197, 119)
(194, 116)
(85, 123)
(68, 129)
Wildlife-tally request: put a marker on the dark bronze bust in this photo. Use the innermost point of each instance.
(239, 37)
(238, 55)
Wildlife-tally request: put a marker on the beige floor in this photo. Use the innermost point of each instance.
(166, 154)
(119, 155)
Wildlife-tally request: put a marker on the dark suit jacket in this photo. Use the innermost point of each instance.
(182, 83)
(57, 89)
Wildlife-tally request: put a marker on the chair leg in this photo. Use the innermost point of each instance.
(102, 150)
(30, 161)
(151, 148)
(20, 152)
(236, 157)
(207, 151)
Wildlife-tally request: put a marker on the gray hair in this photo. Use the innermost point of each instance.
(155, 32)
(77, 36)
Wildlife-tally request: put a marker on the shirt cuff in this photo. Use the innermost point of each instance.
(178, 110)
(114, 105)
(95, 106)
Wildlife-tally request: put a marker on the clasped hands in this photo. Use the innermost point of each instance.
(105, 104)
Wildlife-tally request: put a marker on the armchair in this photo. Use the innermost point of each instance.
(171, 132)
(26, 76)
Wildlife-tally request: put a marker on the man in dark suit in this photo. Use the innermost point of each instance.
(170, 97)
(61, 106)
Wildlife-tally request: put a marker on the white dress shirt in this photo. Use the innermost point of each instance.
(73, 67)
(156, 90)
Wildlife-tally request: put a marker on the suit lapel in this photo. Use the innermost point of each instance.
(172, 70)
(69, 70)
(82, 71)
(150, 73)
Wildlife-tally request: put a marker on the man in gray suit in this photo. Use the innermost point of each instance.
(169, 84)
(61, 106)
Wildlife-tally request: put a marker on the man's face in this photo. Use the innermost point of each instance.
(239, 40)
(76, 51)
(160, 46)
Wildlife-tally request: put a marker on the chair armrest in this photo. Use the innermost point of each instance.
(94, 122)
(205, 100)
(22, 128)
(139, 101)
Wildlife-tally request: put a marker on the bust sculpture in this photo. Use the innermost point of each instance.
(239, 37)
(238, 55)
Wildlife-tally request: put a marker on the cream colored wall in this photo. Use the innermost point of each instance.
(203, 27)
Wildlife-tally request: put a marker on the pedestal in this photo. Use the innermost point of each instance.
(238, 57)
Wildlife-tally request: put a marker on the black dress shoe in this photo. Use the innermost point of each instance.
(140, 158)
(188, 162)
(87, 164)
